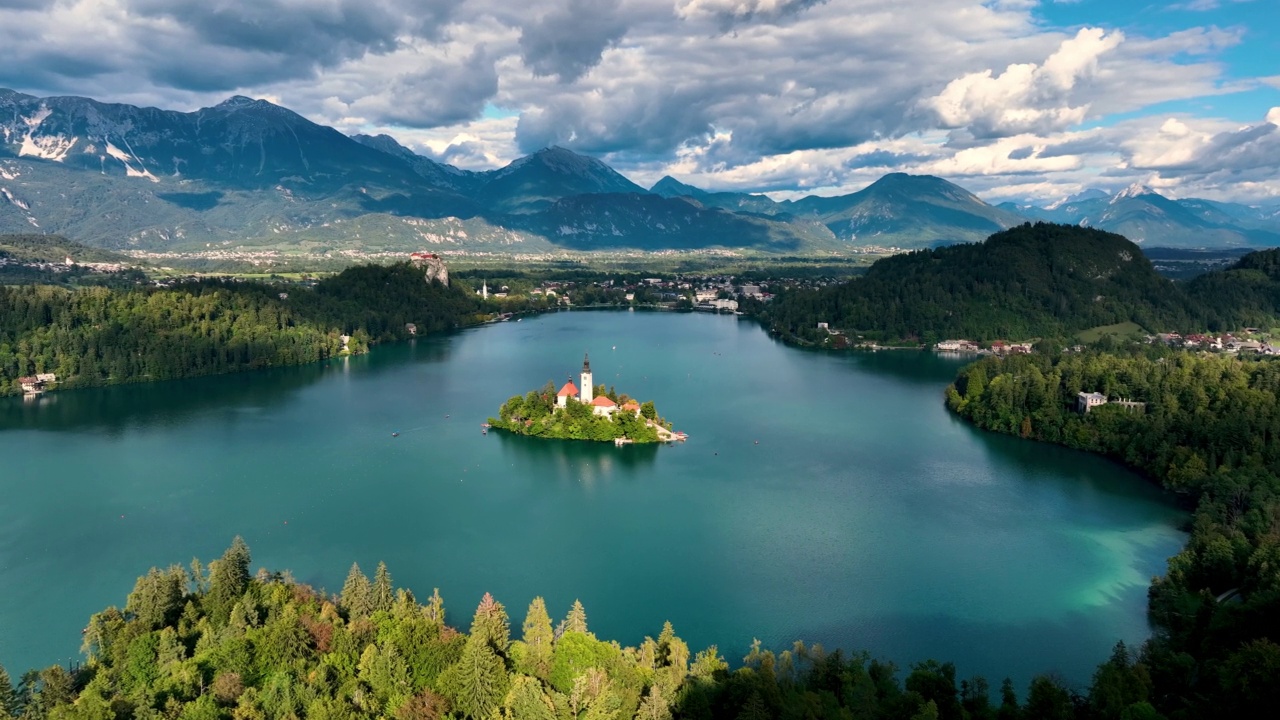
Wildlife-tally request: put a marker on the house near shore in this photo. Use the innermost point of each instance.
(1088, 401)
(31, 385)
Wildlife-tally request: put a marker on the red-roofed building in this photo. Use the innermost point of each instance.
(602, 405)
(568, 391)
(632, 406)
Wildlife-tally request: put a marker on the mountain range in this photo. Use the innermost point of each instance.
(249, 173)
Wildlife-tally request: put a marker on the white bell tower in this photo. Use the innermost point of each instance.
(585, 387)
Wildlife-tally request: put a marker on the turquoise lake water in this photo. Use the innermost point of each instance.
(829, 498)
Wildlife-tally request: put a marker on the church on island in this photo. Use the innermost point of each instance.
(601, 405)
(583, 411)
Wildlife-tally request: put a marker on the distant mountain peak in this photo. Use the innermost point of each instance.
(1133, 191)
(671, 187)
(1083, 195)
(240, 102)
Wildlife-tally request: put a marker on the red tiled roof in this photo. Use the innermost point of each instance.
(603, 401)
(568, 389)
(631, 405)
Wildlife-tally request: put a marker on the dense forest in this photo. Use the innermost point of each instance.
(96, 336)
(536, 414)
(1032, 281)
(1210, 431)
(218, 643)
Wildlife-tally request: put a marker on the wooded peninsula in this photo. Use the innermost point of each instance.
(99, 336)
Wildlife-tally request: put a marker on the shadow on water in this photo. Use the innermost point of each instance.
(117, 407)
(923, 367)
(1077, 468)
(994, 650)
(576, 457)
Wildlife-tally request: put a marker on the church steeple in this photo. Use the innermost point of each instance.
(586, 388)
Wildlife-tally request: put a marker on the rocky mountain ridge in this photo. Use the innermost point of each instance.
(250, 173)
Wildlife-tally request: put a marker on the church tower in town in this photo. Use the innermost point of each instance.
(586, 385)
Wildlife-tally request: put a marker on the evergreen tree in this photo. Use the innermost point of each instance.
(538, 639)
(227, 581)
(1047, 699)
(1117, 684)
(8, 698)
(478, 681)
(577, 619)
(491, 626)
(383, 592)
(157, 596)
(1008, 702)
(357, 595)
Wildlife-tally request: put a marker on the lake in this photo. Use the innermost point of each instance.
(823, 497)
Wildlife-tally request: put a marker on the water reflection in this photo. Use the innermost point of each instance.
(117, 407)
(150, 404)
(579, 461)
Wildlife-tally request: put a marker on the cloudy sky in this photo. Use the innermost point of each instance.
(1013, 99)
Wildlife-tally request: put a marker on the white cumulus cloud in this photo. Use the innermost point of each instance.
(1026, 97)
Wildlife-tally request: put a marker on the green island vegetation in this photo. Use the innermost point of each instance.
(1209, 430)
(1032, 281)
(220, 643)
(537, 414)
(100, 335)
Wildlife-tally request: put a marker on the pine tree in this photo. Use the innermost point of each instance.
(538, 638)
(577, 619)
(157, 597)
(357, 595)
(1008, 701)
(384, 595)
(481, 680)
(8, 698)
(490, 624)
(227, 581)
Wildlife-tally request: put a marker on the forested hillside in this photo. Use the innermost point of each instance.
(1245, 295)
(220, 643)
(96, 336)
(1037, 280)
(53, 248)
(1210, 431)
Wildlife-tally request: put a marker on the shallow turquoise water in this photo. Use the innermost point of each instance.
(866, 517)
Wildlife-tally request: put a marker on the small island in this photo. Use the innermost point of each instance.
(590, 413)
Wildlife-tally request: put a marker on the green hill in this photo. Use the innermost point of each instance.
(1031, 281)
(1247, 294)
(54, 248)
